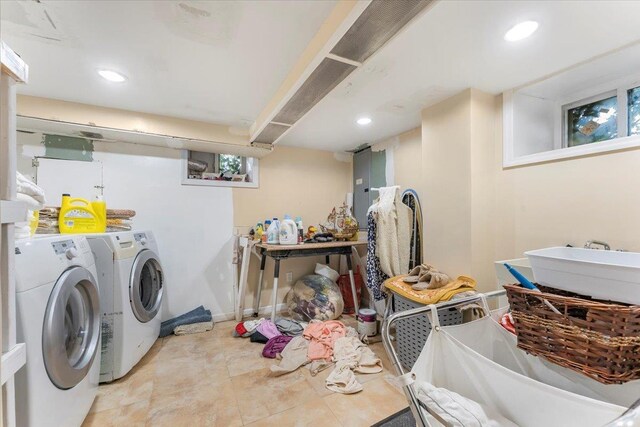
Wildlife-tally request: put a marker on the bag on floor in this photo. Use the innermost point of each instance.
(314, 297)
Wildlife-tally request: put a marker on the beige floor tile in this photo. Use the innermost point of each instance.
(134, 387)
(243, 356)
(133, 415)
(204, 405)
(260, 396)
(318, 381)
(312, 413)
(376, 401)
(188, 372)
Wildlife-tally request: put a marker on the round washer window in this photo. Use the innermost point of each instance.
(146, 287)
(71, 329)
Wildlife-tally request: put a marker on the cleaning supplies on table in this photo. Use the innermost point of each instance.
(288, 231)
(273, 232)
(81, 216)
(300, 229)
(265, 234)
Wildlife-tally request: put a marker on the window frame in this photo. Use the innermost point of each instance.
(250, 166)
(561, 151)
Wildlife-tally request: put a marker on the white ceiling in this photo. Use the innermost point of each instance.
(222, 61)
(456, 45)
(214, 61)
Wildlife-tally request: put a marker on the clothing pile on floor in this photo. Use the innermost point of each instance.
(317, 345)
(117, 220)
(33, 196)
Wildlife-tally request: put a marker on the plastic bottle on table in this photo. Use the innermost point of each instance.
(288, 231)
(300, 229)
(273, 232)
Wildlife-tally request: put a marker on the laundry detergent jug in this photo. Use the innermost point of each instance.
(288, 231)
(273, 232)
(79, 216)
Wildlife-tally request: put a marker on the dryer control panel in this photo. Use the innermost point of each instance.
(61, 247)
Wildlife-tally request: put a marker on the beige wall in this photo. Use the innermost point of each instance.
(567, 201)
(476, 212)
(298, 182)
(407, 155)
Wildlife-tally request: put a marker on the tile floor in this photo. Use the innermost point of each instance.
(214, 379)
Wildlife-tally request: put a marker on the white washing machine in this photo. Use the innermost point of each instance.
(58, 317)
(131, 286)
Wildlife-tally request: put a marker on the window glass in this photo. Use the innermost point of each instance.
(592, 122)
(633, 95)
(230, 163)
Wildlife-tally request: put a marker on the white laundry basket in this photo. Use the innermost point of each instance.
(412, 333)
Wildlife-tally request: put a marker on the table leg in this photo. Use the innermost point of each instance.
(256, 304)
(353, 285)
(327, 259)
(274, 299)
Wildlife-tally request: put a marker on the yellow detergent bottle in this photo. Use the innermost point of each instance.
(79, 216)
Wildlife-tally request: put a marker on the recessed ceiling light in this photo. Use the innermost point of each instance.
(363, 121)
(521, 31)
(112, 76)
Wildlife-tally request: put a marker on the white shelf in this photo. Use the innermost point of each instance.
(12, 361)
(11, 211)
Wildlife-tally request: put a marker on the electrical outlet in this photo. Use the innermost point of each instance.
(290, 277)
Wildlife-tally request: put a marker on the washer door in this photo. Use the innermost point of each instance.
(71, 330)
(146, 286)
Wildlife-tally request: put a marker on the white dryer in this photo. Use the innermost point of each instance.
(131, 285)
(58, 317)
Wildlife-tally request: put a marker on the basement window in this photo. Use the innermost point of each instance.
(592, 120)
(219, 169)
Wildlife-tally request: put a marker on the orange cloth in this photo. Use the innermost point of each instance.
(429, 296)
(322, 336)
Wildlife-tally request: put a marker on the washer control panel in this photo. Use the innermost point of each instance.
(140, 238)
(62, 247)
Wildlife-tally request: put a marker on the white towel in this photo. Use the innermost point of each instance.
(459, 411)
(25, 187)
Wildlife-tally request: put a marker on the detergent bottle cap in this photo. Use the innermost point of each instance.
(298, 218)
(275, 218)
(66, 194)
(268, 222)
(287, 216)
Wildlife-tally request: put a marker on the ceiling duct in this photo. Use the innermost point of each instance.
(271, 133)
(379, 22)
(376, 25)
(323, 79)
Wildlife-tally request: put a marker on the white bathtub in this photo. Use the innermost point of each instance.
(607, 275)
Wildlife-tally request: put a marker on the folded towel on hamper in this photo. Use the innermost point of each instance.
(196, 315)
(430, 296)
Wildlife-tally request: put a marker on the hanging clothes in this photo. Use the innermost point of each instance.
(375, 275)
(389, 239)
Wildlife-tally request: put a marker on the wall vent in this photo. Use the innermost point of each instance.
(378, 23)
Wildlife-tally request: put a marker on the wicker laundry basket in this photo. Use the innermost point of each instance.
(412, 333)
(597, 338)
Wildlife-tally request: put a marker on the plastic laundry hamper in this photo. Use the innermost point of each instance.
(412, 333)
